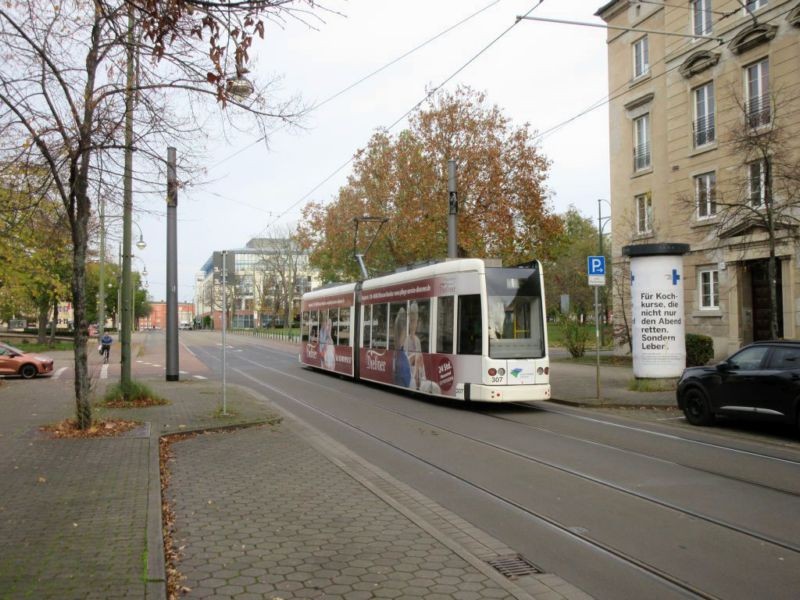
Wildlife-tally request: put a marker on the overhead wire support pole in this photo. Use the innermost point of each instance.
(452, 218)
(619, 27)
(172, 267)
(127, 209)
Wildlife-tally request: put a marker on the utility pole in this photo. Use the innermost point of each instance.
(101, 288)
(172, 267)
(452, 219)
(127, 208)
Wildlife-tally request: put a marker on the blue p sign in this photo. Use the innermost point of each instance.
(596, 265)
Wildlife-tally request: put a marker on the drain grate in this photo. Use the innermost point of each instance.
(513, 566)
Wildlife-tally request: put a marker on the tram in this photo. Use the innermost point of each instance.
(468, 329)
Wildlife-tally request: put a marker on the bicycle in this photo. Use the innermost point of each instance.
(106, 352)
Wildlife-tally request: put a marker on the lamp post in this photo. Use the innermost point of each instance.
(101, 296)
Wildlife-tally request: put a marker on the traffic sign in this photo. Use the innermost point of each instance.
(596, 268)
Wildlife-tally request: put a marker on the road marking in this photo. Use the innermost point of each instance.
(199, 377)
(59, 372)
(104, 372)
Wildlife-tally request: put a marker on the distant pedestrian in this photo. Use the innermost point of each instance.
(105, 347)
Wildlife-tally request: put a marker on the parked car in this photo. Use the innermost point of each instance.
(14, 361)
(762, 380)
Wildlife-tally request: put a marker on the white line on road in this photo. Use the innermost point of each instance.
(199, 377)
(104, 372)
(59, 372)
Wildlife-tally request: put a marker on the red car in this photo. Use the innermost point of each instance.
(28, 365)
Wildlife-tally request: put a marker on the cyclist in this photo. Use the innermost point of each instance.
(105, 347)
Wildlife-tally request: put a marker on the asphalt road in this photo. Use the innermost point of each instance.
(621, 508)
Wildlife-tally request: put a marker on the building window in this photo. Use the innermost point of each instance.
(757, 178)
(755, 4)
(708, 286)
(757, 106)
(644, 214)
(641, 143)
(641, 58)
(704, 124)
(701, 17)
(705, 191)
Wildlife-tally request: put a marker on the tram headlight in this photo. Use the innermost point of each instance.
(501, 371)
(492, 372)
(540, 371)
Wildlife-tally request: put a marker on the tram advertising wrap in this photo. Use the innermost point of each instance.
(456, 329)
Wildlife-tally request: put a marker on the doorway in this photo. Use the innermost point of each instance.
(759, 281)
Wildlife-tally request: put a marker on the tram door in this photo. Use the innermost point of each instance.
(470, 325)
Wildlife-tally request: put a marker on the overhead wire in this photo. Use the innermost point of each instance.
(366, 77)
(413, 108)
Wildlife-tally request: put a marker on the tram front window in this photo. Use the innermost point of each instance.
(516, 323)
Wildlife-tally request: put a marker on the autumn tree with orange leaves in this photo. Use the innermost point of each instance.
(504, 211)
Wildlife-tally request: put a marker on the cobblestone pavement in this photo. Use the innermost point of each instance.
(72, 512)
(297, 527)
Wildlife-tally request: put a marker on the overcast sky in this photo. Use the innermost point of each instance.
(541, 73)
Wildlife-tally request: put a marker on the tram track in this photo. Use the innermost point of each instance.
(539, 516)
(683, 439)
(678, 438)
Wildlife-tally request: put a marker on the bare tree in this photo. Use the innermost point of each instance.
(279, 270)
(764, 200)
(79, 77)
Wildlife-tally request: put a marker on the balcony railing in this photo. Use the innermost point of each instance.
(758, 111)
(704, 131)
(641, 157)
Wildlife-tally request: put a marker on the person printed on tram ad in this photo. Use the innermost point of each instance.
(401, 368)
(413, 347)
(329, 352)
(325, 341)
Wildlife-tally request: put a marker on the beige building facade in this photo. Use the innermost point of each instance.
(704, 120)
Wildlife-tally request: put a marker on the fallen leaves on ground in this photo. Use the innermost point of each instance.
(68, 428)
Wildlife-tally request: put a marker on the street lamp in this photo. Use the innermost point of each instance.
(101, 296)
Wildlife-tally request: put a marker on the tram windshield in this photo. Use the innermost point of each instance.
(516, 319)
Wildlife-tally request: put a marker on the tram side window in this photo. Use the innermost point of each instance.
(419, 314)
(398, 319)
(444, 325)
(366, 319)
(344, 327)
(380, 325)
(304, 326)
(469, 324)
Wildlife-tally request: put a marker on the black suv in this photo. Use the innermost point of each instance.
(761, 380)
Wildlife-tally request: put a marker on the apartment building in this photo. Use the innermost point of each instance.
(264, 282)
(704, 117)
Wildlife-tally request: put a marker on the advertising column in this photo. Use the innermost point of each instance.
(658, 334)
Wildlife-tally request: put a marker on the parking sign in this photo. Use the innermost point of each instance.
(596, 268)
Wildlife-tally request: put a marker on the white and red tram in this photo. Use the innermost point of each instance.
(460, 329)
